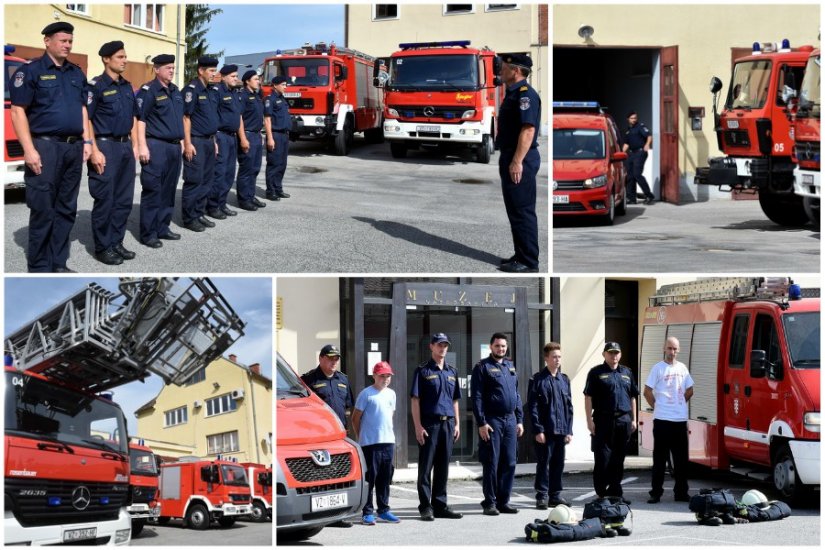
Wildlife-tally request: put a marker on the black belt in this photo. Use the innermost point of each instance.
(61, 139)
(438, 418)
(233, 134)
(637, 150)
(204, 137)
(120, 139)
(172, 141)
(281, 131)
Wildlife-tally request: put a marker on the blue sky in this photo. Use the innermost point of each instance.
(251, 298)
(251, 28)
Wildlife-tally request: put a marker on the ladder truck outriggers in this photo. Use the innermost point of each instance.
(67, 462)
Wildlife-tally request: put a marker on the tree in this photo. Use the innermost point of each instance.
(198, 17)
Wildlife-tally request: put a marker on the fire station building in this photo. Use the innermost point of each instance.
(658, 60)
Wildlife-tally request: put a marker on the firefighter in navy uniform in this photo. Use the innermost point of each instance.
(48, 111)
(200, 124)
(230, 137)
(498, 413)
(519, 119)
(160, 136)
(610, 395)
(277, 124)
(249, 162)
(637, 142)
(435, 393)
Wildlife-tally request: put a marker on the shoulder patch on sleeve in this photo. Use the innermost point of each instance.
(523, 89)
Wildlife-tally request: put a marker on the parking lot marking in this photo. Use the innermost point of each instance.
(448, 496)
(591, 494)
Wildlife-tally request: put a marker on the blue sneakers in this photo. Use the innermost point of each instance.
(368, 519)
(389, 517)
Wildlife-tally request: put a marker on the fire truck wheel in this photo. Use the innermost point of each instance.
(258, 512)
(198, 517)
(137, 526)
(811, 206)
(485, 150)
(610, 217)
(398, 150)
(785, 479)
(343, 141)
(786, 210)
(226, 522)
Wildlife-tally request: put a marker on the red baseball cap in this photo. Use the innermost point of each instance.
(382, 368)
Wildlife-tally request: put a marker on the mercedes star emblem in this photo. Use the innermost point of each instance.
(81, 497)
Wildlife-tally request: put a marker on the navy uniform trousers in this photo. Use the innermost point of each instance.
(434, 455)
(198, 176)
(498, 460)
(276, 163)
(549, 466)
(224, 170)
(520, 203)
(249, 165)
(635, 166)
(158, 180)
(609, 450)
(113, 192)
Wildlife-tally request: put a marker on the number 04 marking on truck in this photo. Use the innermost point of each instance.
(337, 500)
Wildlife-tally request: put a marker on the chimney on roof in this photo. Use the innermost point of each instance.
(233, 357)
(255, 367)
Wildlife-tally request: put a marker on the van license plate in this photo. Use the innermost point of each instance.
(733, 124)
(79, 534)
(561, 199)
(337, 500)
(434, 129)
(808, 179)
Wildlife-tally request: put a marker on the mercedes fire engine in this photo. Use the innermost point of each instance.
(67, 461)
(143, 486)
(753, 350)
(441, 94)
(754, 131)
(13, 176)
(260, 484)
(805, 130)
(328, 93)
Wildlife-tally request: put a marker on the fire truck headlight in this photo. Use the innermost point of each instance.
(598, 181)
(391, 128)
(468, 114)
(392, 112)
(469, 132)
(122, 535)
(811, 421)
(319, 120)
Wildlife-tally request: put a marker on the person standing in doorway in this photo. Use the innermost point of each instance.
(637, 142)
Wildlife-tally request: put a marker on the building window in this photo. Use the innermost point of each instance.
(455, 9)
(78, 8)
(176, 416)
(199, 376)
(226, 442)
(221, 404)
(146, 16)
(501, 7)
(384, 11)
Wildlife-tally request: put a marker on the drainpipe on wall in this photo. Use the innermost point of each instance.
(179, 63)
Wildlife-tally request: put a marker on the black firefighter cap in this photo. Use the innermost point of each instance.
(330, 350)
(612, 346)
(248, 74)
(229, 69)
(163, 59)
(206, 61)
(518, 59)
(280, 79)
(59, 26)
(110, 48)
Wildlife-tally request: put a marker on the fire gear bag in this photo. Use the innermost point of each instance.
(710, 502)
(772, 512)
(544, 531)
(611, 511)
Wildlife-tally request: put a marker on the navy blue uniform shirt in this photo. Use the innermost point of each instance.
(550, 403)
(610, 390)
(253, 111)
(161, 109)
(494, 387)
(201, 104)
(53, 96)
(111, 104)
(277, 108)
(436, 388)
(229, 109)
(636, 137)
(335, 391)
(521, 105)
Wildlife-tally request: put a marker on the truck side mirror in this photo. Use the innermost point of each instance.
(497, 81)
(379, 77)
(496, 66)
(759, 360)
(265, 478)
(206, 474)
(715, 85)
(340, 72)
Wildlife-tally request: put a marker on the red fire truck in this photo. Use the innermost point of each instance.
(329, 94)
(67, 462)
(805, 129)
(143, 486)
(753, 350)
(13, 178)
(260, 485)
(754, 131)
(202, 491)
(441, 94)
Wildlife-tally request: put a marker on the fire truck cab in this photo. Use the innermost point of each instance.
(441, 94)
(13, 175)
(260, 485)
(805, 133)
(753, 350)
(143, 486)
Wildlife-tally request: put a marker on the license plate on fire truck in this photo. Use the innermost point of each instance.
(434, 129)
(561, 199)
(289, 95)
(808, 179)
(733, 124)
(79, 534)
(336, 500)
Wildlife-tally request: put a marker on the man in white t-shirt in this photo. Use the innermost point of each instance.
(668, 389)
(372, 422)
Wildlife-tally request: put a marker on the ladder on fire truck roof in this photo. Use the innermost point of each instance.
(322, 49)
(724, 288)
(98, 339)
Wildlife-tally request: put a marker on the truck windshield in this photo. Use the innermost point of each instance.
(810, 103)
(11, 67)
(578, 144)
(287, 383)
(802, 332)
(434, 72)
(143, 463)
(41, 410)
(233, 475)
(750, 85)
(300, 71)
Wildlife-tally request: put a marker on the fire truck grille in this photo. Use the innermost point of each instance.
(239, 498)
(807, 151)
(450, 113)
(143, 495)
(301, 103)
(572, 207)
(325, 488)
(51, 502)
(570, 185)
(14, 149)
(306, 471)
(737, 138)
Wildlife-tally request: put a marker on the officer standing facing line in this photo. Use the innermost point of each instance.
(48, 111)
(498, 413)
(637, 142)
(668, 389)
(160, 137)
(249, 162)
(112, 116)
(200, 124)
(551, 410)
(435, 393)
(277, 124)
(519, 118)
(230, 136)
(610, 395)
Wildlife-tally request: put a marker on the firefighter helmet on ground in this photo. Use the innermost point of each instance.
(754, 497)
(562, 514)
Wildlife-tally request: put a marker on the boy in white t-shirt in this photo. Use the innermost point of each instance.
(668, 389)
(372, 422)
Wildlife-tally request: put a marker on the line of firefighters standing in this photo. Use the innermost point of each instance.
(62, 120)
(610, 405)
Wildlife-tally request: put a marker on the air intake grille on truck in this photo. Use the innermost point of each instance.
(14, 149)
(143, 495)
(52, 502)
(737, 138)
(234, 497)
(452, 112)
(301, 103)
(306, 471)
